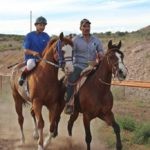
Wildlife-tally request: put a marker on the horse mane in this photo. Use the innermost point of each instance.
(49, 44)
(53, 40)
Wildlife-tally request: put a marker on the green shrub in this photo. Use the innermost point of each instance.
(142, 134)
(127, 123)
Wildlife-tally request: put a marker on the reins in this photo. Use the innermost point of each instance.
(103, 82)
(48, 62)
(60, 55)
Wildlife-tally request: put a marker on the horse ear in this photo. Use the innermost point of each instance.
(119, 45)
(110, 44)
(61, 36)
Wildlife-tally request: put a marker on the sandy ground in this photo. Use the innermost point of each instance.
(10, 132)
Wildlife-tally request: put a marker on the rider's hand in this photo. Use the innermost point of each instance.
(99, 57)
(36, 54)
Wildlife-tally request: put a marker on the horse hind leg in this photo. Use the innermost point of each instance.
(110, 120)
(71, 121)
(18, 106)
(35, 132)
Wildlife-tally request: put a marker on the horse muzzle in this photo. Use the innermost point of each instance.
(121, 74)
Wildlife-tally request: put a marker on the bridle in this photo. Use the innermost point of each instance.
(58, 47)
(114, 68)
(60, 55)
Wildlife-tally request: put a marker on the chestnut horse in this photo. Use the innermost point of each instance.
(44, 90)
(98, 100)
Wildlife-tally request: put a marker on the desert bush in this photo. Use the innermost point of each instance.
(18, 38)
(127, 123)
(142, 134)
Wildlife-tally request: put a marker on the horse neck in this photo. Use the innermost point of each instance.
(48, 69)
(103, 72)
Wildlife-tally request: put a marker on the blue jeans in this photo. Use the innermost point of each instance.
(73, 77)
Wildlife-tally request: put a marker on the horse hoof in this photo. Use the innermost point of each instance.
(55, 134)
(47, 141)
(40, 147)
(22, 142)
(35, 135)
(119, 147)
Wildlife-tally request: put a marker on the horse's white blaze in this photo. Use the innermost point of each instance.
(69, 67)
(121, 65)
(68, 54)
(68, 50)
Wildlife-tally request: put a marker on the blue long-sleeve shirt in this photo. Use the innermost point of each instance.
(84, 52)
(36, 42)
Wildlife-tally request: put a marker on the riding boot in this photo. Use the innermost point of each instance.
(23, 77)
(68, 97)
(70, 89)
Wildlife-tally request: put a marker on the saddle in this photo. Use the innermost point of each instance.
(16, 73)
(87, 72)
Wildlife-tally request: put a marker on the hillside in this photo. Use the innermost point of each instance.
(135, 45)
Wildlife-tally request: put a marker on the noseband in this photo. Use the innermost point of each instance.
(114, 68)
(61, 57)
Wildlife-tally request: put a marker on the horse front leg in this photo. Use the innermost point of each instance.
(58, 116)
(35, 132)
(54, 119)
(88, 137)
(110, 120)
(56, 127)
(71, 121)
(117, 132)
(37, 108)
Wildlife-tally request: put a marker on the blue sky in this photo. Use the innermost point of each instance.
(65, 15)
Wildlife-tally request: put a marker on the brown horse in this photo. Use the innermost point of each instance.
(44, 89)
(98, 100)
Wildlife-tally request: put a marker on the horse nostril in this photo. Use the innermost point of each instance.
(120, 71)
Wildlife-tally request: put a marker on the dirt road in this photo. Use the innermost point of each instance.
(10, 133)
